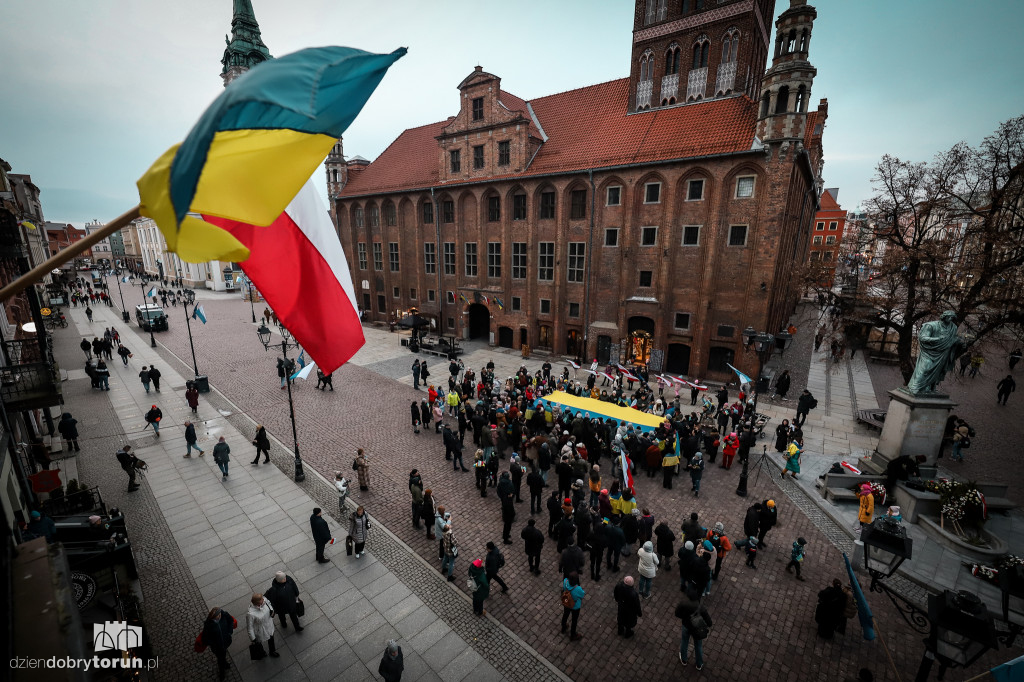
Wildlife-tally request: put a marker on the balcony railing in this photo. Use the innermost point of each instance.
(30, 381)
(643, 94)
(697, 83)
(726, 77)
(669, 87)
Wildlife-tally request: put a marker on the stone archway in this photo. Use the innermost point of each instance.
(639, 340)
(479, 321)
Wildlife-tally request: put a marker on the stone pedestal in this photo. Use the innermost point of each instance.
(913, 426)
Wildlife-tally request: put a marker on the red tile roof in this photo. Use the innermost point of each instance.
(586, 128)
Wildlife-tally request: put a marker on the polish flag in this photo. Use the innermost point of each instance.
(573, 364)
(299, 267)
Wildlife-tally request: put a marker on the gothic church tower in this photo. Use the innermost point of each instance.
(786, 87)
(245, 48)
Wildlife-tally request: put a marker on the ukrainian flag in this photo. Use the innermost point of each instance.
(255, 147)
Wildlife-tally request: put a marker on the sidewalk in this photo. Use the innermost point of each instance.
(235, 533)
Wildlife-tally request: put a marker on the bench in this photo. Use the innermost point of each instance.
(839, 487)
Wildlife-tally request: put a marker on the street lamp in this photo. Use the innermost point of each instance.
(190, 297)
(124, 310)
(145, 307)
(782, 339)
(252, 305)
(264, 336)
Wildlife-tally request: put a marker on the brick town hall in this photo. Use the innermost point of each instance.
(646, 219)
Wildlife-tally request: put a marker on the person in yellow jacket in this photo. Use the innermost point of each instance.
(867, 505)
(453, 403)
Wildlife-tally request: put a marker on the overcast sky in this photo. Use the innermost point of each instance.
(94, 91)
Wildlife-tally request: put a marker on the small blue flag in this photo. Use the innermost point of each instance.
(744, 379)
(302, 359)
(199, 313)
(124, 279)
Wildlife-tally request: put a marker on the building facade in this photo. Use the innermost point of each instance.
(827, 238)
(617, 221)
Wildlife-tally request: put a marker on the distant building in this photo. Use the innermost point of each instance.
(647, 219)
(827, 237)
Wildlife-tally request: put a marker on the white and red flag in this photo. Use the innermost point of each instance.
(299, 266)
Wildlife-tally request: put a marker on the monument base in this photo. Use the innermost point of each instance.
(913, 426)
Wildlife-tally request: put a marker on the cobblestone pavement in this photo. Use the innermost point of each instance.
(995, 450)
(764, 618)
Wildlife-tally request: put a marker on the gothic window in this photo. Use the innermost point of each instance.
(700, 55)
(801, 99)
(765, 104)
(782, 100)
(647, 67)
(672, 60)
(791, 41)
(650, 13)
(662, 9)
(730, 46)
(803, 41)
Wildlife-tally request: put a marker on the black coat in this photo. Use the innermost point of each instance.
(494, 561)
(630, 528)
(767, 518)
(782, 385)
(67, 426)
(628, 600)
(217, 633)
(262, 442)
(154, 414)
(751, 522)
(534, 481)
(803, 405)
(572, 559)
(391, 668)
(190, 435)
(665, 538)
(283, 595)
(425, 413)
(321, 532)
(534, 539)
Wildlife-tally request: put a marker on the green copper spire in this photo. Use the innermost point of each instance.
(245, 48)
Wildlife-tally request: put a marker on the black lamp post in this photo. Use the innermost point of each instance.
(264, 336)
(124, 310)
(252, 304)
(959, 628)
(145, 307)
(190, 297)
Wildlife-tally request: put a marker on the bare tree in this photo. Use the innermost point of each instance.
(952, 231)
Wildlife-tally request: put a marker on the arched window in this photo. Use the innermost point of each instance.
(803, 41)
(672, 60)
(765, 104)
(778, 45)
(704, 54)
(662, 9)
(791, 41)
(649, 13)
(647, 66)
(801, 99)
(730, 46)
(782, 100)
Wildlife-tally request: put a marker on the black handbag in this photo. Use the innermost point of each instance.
(300, 608)
(256, 651)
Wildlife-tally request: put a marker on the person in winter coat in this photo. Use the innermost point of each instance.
(262, 443)
(123, 351)
(493, 562)
(508, 510)
(648, 568)
(866, 509)
(663, 543)
(190, 440)
(696, 467)
(392, 664)
(153, 418)
(696, 625)
(341, 486)
(192, 397)
(830, 613)
(804, 404)
(452, 448)
(729, 449)
(427, 512)
(414, 410)
(359, 529)
(451, 549)
(363, 467)
(564, 471)
(154, 376)
(259, 622)
(782, 384)
(796, 557)
(767, 518)
(692, 530)
(516, 471)
(425, 415)
(416, 491)
(221, 452)
(481, 589)
(571, 559)
(144, 377)
(67, 426)
(534, 543)
(571, 584)
(720, 541)
(616, 540)
(782, 435)
(321, 534)
(630, 525)
(594, 483)
(752, 520)
(216, 635)
(283, 593)
(87, 348)
(629, 608)
(554, 505)
(437, 412)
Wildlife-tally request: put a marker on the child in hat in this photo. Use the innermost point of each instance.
(796, 557)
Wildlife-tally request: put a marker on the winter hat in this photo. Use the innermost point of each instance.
(478, 563)
(628, 580)
(36, 515)
(771, 504)
(564, 433)
(567, 501)
(579, 481)
(280, 577)
(719, 527)
(635, 512)
(392, 647)
(752, 540)
(604, 491)
(648, 546)
(708, 546)
(865, 488)
(688, 545)
(801, 542)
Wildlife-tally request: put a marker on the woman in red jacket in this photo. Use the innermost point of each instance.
(729, 447)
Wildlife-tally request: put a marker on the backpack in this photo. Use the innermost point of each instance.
(813, 403)
(965, 442)
(567, 600)
(355, 465)
(697, 626)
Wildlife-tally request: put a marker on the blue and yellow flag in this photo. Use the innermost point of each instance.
(255, 147)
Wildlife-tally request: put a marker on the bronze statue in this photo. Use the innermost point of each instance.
(938, 346)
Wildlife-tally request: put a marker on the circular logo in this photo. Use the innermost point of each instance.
(45, 312)
(84, 588)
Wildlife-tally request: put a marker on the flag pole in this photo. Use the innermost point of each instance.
(66, 254)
